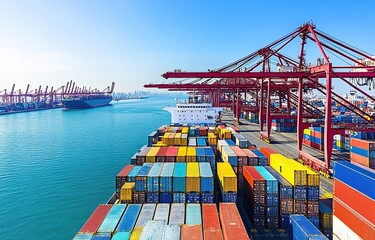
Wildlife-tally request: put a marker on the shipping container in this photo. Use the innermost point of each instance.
(290, 172)
(206, 177)
(129, 218)
(83, 236)
(191, 154)
(262, 160)
(121, 177)
(166, 177)
(228, 155)
(184, 139)
(177, 214)
(200, 154)
(171, 154)
(267, 152)
(141, 156)
(153, 177)
(179, 177)
(193, 197)
(192, 178)
(133, 173)
(285, 188)
(325, 213)
(147, 213)
(151, 155)
(121, 236)
(302, 228)
(193, 214)
(162, 212)
(227, 177)
(126, 192)
(181, 155)
(210, 157)
(161, 155)
(152, 138)
(171, 232)
(220, 144)
(213, 234)
(177, 139)
(231, 222)
(252, 159)
(96, 218)
(153, 230)
(141, 178)
(179, 197)
(341, 231)
(210, 217)
(191, 232)
(101, 237)
(111, 220)
(192, 142)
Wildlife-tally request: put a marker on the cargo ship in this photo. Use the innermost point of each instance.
(84, 102)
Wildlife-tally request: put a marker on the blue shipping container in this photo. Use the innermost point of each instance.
(200, 155)
(133, 173)
(141, 178)
(263, 161)
(83, 236)
(207, 198)
(300, 193)
(121, 236)
(129, 218)
(152, 197)
(110, 221)
(302, 228)
(271, 181)
(179, 177)
(166, 197)
(193, 197)
(147, 213)
(153, 177)
(179, 197)
(193, 214)
(166, 176)
(285, 188)
(206, 177)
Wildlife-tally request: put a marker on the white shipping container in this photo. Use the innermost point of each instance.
(342, 231)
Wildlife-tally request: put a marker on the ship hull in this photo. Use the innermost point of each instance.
(84, 104)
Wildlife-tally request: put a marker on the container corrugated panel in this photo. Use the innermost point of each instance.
(191, 232)
(152, 197)
(313, 193)
(177, 139)
(162, 212)
(267, 152)
(179, 197)
(325, 213)
(207, 197)
(285, 188)
(121, 236)
(122, 176)
(147, 213)
(302, 228)
(179, 177)
(342, 231)
(153, 230)
(141, 178)
(166, 197)
(171, 232)
(193, 197)
(228, 155)
(133, 173)
(193, 214)
(83, 236)
(300, 207)
(300, 193)
(227, 177)
(153, 177)
(210, 217)
(192, 178)
(206, 177)
(96, 218)
(166, 176)
(177, 214)
(191, 154)
(200, 155)
(271, 181)
(231, 222)
(129, 218)
(359, 178)
(111, 220)
(181, 155)
(184, 139)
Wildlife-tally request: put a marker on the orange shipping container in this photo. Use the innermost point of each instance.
(267, 152)
(231, 222)
(210, 217)
(368, 162)
(213, 234)
(191, 232)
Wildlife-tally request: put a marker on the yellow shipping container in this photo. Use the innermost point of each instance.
(307, 131)
(192, 177)
(184, 140)
(136, 233)
(226, 134)
(177, 139)
(159, 144)
(227, 177)
(191, 155)
(164, 139)
(217, 131)
(313, 178)
(170, 139)
(212, 139)
(185, 130)
(126, 192)
(181, 154)
(151, 155)
(294, 174)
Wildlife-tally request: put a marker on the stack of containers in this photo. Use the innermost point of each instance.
(212, 139)
(254, 117)
(313, 183)
(307, 137)
(177, 214)
(92, 224)
(362, 152)
(262, 159)
(177, 139)
(108, 226)
(133, 159)
(325, 217)
(151, 155)
(161, 155)
(241, 162)
(227, 180)
(139, 195)
(206, 183)
(192, 142)
(191, 154)
(127, 222)
(284, 125)
(317, 138)
(211, 222)
(339, 143)
(220, 144)
(272, 198)
(162, 212)
(192, 183)
(302, 228)
(152, 138)
(224, 133)
(133, 173)
(231, 222)
(153, 183)
(181, 155)
(240, 140)
(127, 192)
(286, 200)
(166, 183)
(267, 152)
(179, 183)
(141, 156)
(201, 141)
(230, 142)
(254, 196)
(210, 158)
(228, 155)
(200, 154)
(192, 131)
(171, 154)
(184, 139)
(252, 159)
(121, 177)
(353, 201)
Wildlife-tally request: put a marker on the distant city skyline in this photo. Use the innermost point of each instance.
(132, 43)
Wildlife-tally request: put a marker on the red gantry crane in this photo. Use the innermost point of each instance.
(253, 76)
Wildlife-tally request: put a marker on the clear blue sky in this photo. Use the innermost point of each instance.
(133, 42)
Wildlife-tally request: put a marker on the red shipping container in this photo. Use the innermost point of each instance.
(171, 154)
(213, 234)
(210, 217)
(191, 232)
(362, 160)
(267, 152)
(251, 157)
(121, 176)
(354, 221)
(360, 203)
(255, 180)
(96, 218)
(364, 144)
(161, 154)
(235, 129)
(231, 222)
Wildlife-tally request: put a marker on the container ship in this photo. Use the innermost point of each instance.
(84, 102)
(209, 181)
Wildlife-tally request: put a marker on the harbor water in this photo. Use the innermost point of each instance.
(56, 166)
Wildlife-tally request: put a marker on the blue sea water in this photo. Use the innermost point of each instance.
(56, 166)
